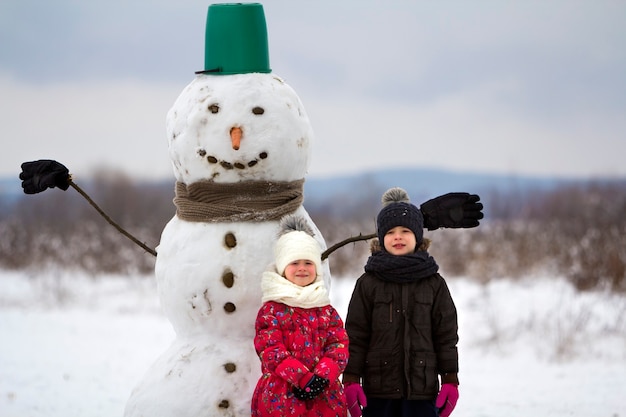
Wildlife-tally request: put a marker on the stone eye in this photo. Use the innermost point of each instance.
(258, 110)
(214, 108)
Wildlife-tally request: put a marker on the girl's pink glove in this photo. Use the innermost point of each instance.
(447, 398)
(355, 397)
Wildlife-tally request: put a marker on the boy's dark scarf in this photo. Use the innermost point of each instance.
(401, 269)
(246, 201)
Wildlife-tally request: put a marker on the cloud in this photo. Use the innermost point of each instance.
(526, 87)
(87, 126)
(467, 131)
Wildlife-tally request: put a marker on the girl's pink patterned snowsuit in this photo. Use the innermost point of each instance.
(292, 341)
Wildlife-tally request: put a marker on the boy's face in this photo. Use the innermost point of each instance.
(301, 272)
(400, 241)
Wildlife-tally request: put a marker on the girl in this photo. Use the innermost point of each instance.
(300, 337)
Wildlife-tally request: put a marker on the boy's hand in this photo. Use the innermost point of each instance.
(447, 398)
(355, 398)
(453, 210)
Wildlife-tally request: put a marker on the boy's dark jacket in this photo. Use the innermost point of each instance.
(402, 337)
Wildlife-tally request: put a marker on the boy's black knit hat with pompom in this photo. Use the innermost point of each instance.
(398, 211)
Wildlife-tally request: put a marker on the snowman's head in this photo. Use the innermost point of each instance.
(231, 128)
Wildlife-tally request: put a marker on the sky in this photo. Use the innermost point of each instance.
(509, 87)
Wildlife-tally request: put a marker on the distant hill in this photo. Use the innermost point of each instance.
(10, 187)
(338, 193)
(421, 184)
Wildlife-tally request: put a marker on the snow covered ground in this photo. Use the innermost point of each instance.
(75, 346)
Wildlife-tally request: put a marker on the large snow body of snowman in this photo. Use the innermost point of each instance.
(240, 146)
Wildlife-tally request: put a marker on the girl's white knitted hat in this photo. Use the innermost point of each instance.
(296, 242)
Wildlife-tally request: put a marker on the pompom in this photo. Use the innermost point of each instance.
(294, 223)
(395, 195)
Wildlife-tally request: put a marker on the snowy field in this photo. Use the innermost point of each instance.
(73, 346)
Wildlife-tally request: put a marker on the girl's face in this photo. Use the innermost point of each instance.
(400, 241)
(301, 272)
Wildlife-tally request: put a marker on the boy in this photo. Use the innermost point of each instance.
(402, 324)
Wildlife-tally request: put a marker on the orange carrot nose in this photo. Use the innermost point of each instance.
(235, 137)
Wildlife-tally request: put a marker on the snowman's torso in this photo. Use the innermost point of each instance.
(209, 275)
(209, 272)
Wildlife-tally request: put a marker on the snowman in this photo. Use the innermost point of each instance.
(239, 141)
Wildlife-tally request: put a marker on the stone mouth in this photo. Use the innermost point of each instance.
(232, 164)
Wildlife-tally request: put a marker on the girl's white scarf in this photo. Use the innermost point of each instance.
(277, 288)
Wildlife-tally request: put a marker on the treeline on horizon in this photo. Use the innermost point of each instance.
(574, 231)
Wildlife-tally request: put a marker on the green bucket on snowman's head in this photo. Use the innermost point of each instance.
(236, 40)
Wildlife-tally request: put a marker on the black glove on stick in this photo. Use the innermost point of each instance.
(453, 210)
(38, 175)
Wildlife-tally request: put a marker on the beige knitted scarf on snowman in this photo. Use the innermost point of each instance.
(247, 201)
(277, 288)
